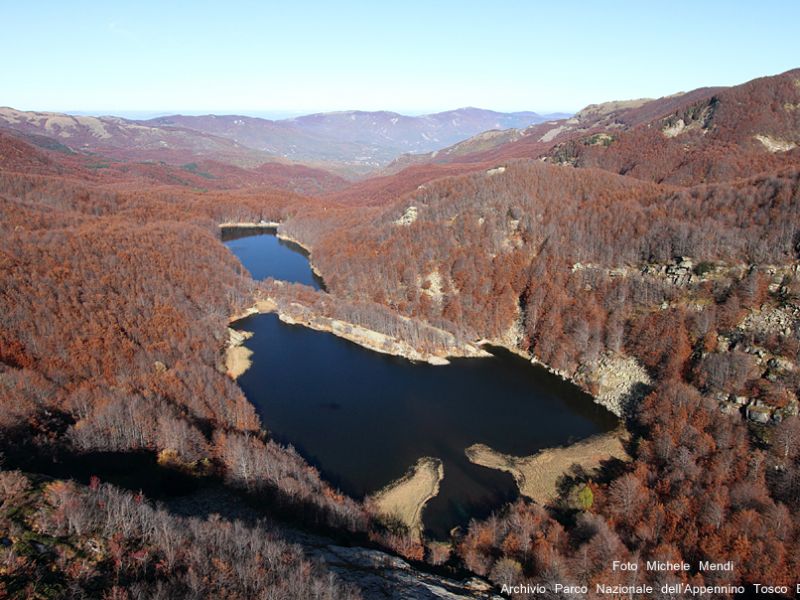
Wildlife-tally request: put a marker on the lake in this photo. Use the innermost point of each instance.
(265, 255)
(364, 418)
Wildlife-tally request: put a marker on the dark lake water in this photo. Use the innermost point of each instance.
(264, 255)
(364, 418)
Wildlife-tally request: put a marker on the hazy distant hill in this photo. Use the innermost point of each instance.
(353, 142)
(533, 140)
(31, 154)
(129, 140)
(702, 136)
(358, 138)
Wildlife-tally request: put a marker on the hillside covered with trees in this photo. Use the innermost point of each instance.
(669, 243)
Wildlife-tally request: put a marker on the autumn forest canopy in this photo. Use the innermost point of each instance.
(647, 251)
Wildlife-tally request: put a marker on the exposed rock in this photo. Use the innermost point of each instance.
(729, 408)
(408, 217)
(381, 576)
(621, 382)
(675, 129)
(771, 320)
(434, 286)
(680, 272)
(758, 413)
(551, 134)
(774, 144)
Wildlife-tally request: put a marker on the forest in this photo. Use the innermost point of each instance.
(679, 253)
(571, 265)
(76, 541)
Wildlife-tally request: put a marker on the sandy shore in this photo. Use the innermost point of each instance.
(251, 225)
(537, 475)
(405, 498)
(237, 357)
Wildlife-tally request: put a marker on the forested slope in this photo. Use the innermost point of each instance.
(586, 270)
(676, 262)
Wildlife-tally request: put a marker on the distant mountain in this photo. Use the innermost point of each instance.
(412, 133)
(129, 140)
(703, 136)
(41, 155)
(710, 135)
(359, 139)
(350, 142)
(276, 138)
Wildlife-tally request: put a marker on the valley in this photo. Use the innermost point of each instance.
(498, 360)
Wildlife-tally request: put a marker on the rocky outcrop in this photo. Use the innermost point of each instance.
(772, 320)
(408, 217)
(378, 574)
(620, 382)
(381, 576)
(776, 145)
(615, 381)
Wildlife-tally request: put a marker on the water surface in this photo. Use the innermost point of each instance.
(364, 418)
(265, 255)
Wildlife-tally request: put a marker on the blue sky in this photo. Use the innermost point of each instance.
(294, 57)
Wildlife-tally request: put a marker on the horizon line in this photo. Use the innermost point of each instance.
(278, 113)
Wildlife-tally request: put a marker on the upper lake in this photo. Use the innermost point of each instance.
(265, 255)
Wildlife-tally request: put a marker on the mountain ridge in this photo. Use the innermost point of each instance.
(362, 139)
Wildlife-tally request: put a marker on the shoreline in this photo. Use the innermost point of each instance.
(612, 381)
(619, 379)
(364, 337)
(378, 342)
(404, 499)
(237, 357)
(275, 226)
(287, 238)
(537, 475)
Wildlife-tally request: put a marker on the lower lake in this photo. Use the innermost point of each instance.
(364, 418)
